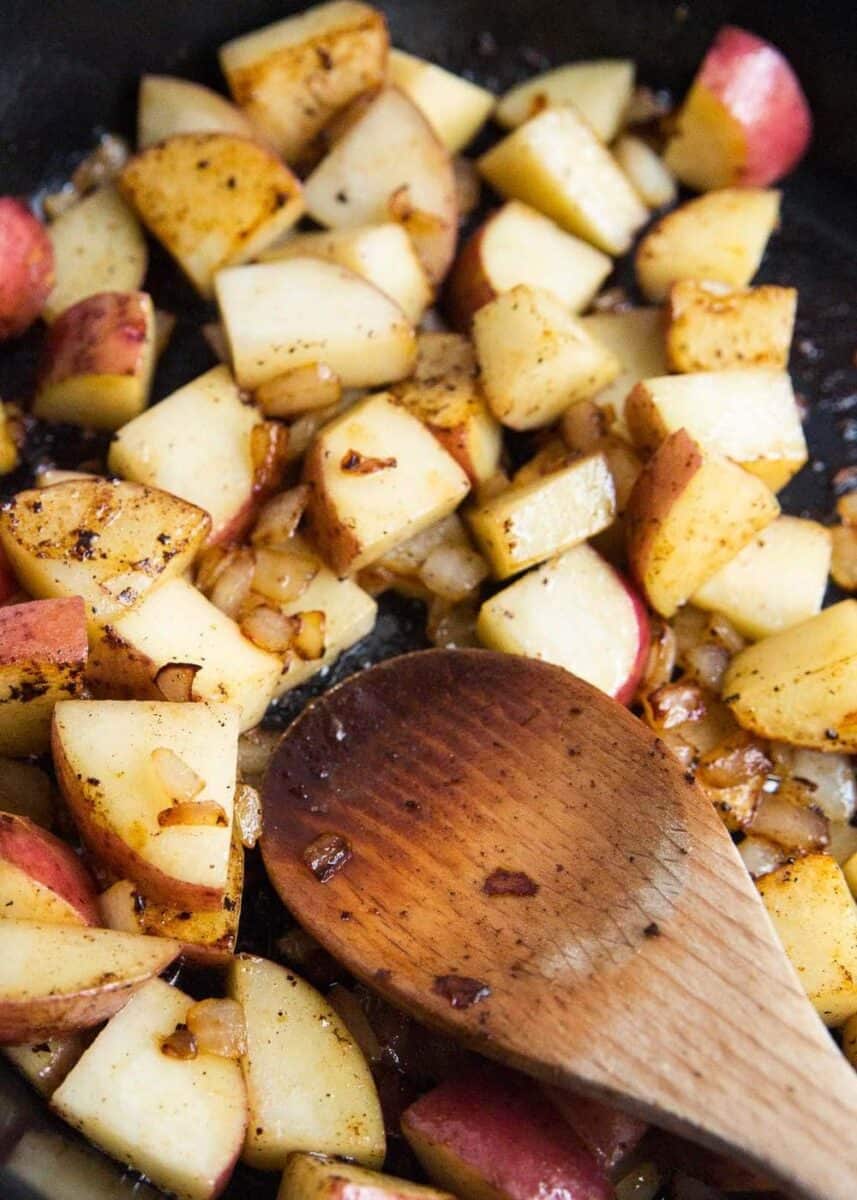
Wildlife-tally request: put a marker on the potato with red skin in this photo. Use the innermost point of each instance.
(492, 1133)
(745, 122)
(43, 651)
(608, 1132)
(26, 267)
(28, 851)
(97, 361)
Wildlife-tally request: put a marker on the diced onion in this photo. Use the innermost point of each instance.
(305, 389)
(734, 761)
(280, 516)
(828, 777)
(283, 575)
(660, 663)
(248, 814)
(707, 664)
(308, 640)
(176, 777)
(761, 856)
(200, 813)
(175, 681)
(781, 818)
(269, 629)
(179, 1044)
(218, 1027)
(675, 704)
(453, 572)
(233, 582)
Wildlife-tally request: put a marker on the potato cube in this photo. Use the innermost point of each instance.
(815, 917)
(690, 512)
(212, 199)
(42, 660)
(176, 624)
(196, 444)
(525, 525)
(167, 105)
(556, 163)
(600, 91)
(455, 108)
(748, 416)
(378, 477)
(103, 539)
(293, 76)
(289, 314)
(712, 328)
(444, 392)
(535, 358)
(318, 1177)
(776, 581)
(650, 176)
(636, 339)
(719, 237)
(800, 685)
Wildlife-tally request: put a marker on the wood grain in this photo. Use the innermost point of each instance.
(640, 967)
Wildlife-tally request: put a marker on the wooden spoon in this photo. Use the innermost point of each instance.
(507, 854)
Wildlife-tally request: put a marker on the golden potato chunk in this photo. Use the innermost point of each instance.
(710, 328)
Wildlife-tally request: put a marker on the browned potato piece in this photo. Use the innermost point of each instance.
(800, 686)
(714, 329)
(213, 199)
(689, 514)
(293, 76)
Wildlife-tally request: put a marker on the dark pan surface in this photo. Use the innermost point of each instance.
(68, 70)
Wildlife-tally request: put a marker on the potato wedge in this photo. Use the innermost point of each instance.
(526, 524)
(748, 416)
(710, 328)
(212, 199)
(57, 979)
(636, 339)
(517, 245)
(381, 254)
(45, 1064)
(84, 538)
(293, 76)
(283, 315)
(556, 163)
(378, 477)
(800, 685)
(535, 358)
(41, 877)
(815, 917)
(444, 392)
(98, 247)
(176, 624)
(390, 163)
(167, 105)
(650, 176)
(719, 237)
(214, 469)
(600, 90)
(455, 108)
(776, 581)
(27, 259)
(690, 512)
(318, 1177)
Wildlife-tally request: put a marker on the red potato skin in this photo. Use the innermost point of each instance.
(629, 689)
(49, 862)
(26, 268)
(44, 631)
(611, 1135)
(468, 286)
(500, 1129)
(104, 334)
(758, 87)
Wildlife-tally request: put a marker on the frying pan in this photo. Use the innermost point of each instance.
(69, 68)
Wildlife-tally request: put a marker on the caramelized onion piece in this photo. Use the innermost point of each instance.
(308, 641)
(269, 629)
(180, 1043)
(675, 704)
(707, 663)
(739, 758)
(218, 1027)
(355, 463)
(283, 575)
(280, 516)
(202, 813)
(305, 389)
(176, 777)
(233, 582)
(175, 681)
(786, 818)
(248, 814)
(761, 856)
(453, 572)
(660, 663)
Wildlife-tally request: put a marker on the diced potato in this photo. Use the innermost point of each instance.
(97, 361)
(390, 163)
(800, 685)
(711, 328)
(317, 1177)
(212, 199)
(815, 917)
(776, 581)
(600, 90)
(197, 444)
(843, 563)
(378, 477)
(535, 358)
(9, 456)
(98, 247)
(690, 512)
(46, 1064)
(577, 612)
(176, 624)
(293, 76)
(283, 315)
(650, 176)
(444, 392)
(557, 164)
(719, 237)
(85, 537)
(455, 108)
(381, 254)
(518, 245)
(748, 416)
(527, 524)
(167, 105)
(636, 338)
